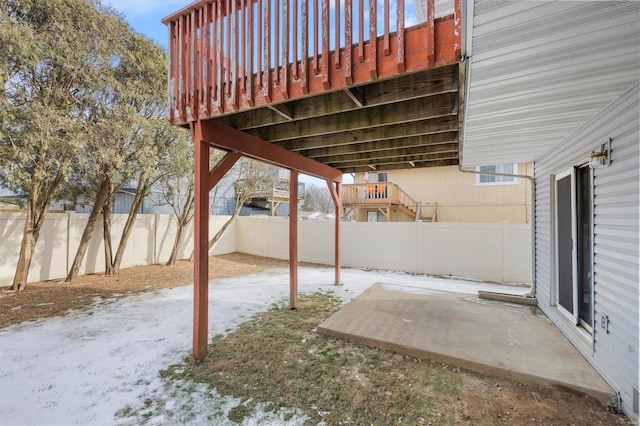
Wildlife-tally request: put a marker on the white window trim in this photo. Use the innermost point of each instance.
(512, 182)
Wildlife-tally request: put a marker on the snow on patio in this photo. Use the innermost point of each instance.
(96, 365)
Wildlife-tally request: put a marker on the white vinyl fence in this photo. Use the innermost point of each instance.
(151, 241)
(491, 252)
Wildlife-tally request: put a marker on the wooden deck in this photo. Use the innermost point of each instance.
(328, 83)
(318, 87)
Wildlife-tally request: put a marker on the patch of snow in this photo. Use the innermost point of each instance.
(100, 365)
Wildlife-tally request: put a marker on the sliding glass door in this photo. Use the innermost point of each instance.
(574, 233)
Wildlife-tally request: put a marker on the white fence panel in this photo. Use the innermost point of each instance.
(316, 242)
(151, 241)
(391, 246)
(491, 252)
(226, 244)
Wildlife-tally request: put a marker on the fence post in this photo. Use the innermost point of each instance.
(68, 240)
(505, 251)
(420, 246)
(156, 226)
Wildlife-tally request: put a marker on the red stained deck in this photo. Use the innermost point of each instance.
(315, 89)
(231, 56)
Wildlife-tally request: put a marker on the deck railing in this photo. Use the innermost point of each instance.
(376, 194)
(231, 55)
(385, 194)
(281, 190)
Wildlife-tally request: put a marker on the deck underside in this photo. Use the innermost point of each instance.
(405, 122)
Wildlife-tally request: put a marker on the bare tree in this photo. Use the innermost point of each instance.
(178, 191)
(253, 179)
(155, 160)
(317, 199)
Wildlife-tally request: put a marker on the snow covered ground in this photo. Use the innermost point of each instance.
(98, 365)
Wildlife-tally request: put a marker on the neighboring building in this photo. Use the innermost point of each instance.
(558, 83)
(441, 194)
(122, 202)
(276, 202)
(316, 216)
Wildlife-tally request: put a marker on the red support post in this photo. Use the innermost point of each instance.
(293, 239)
(335, 192)
(201, 242)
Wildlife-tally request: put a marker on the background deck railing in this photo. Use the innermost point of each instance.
(230, 55)
(385, 194)
(375, 193)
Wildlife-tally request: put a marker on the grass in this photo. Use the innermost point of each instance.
(277, 360)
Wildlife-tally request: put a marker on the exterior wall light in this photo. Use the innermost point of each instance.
(602, 158)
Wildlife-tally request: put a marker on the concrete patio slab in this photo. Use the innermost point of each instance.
(512, 341)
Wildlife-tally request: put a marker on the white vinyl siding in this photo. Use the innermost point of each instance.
(541, 69)
(616, 240)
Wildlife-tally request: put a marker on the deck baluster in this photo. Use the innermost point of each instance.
(285, 49)
(234, 55)
(304, 65)
(348, 41)
(400, 36)
(326, 53)
(266, 59)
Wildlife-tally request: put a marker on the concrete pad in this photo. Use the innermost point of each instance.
(506, 340)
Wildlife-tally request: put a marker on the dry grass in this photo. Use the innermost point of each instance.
(277, 359)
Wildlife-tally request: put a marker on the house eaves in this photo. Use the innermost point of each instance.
(537, 71)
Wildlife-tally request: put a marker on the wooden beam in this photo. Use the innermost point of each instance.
(335, 192)
(373, 134)
(356, 95)
(293, 240)
(374, 156)
(221, 168)
(381, 164)
(418, 109)
(382, 145)
(381, 160)
(228, 138)
(407, 87)
(283, 109)
(401, 166)
(201, 244)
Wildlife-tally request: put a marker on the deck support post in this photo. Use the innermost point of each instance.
(201, 242)
(204, 181)
(293, 239)
(335, 192)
